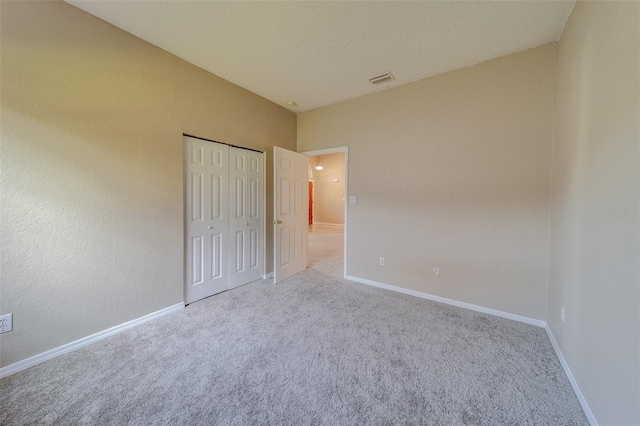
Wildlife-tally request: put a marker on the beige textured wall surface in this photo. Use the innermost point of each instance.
(595, 232)
(451, 171)
(91, 132)
(328, 194)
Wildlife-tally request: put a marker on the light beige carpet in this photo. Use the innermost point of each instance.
(313, 350)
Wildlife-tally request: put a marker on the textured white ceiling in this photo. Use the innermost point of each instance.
(320, 53)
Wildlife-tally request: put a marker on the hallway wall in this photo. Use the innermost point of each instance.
(329, 194)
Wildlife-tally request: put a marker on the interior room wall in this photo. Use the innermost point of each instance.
(328, 188)
(92, 198)
(595, 233)
(451, 171)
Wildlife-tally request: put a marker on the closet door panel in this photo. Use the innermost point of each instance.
(246, 223)
(206, 218)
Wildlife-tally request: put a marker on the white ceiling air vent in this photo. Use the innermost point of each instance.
(381, 78)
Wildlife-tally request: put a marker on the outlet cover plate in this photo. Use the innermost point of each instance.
(6, 323)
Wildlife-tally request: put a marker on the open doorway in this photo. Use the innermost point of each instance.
(328, 172)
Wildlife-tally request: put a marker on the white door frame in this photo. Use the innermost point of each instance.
(336, 150)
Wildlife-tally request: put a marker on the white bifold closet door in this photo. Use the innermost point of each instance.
(246, 202)
(224, 227)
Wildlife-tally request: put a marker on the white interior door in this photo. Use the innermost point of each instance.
(206, 218)
(246, 202)
(291, 193)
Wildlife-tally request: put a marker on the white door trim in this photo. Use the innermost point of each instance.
(336, 150)
(264, 215)
(77, 344)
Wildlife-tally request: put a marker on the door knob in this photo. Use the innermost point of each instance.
(279, 222)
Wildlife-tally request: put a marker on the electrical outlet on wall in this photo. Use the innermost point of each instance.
(562, 312)
(6, 323)
(382, 261)
(436, 271)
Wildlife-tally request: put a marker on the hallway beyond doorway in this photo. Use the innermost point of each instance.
(326, 249)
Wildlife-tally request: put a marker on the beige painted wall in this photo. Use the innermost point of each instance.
(329, 195)
(92, 123)
(594, 253)
(451, 171)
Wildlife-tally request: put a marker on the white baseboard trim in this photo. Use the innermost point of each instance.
(339, 225)
(477, 308)
(572, 380)
(60, 350)
(267, 276)
(539, 323)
